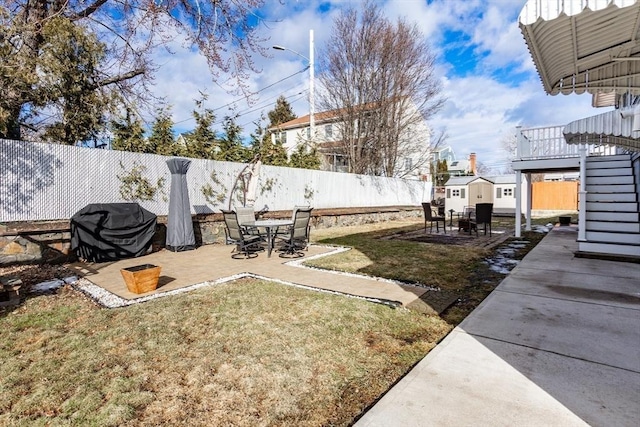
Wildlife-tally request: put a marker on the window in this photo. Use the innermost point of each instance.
(498, 193)
(408, 163)
(508, 192)
(309, 133)
(328, 131)
(281, 137)
(456, 193)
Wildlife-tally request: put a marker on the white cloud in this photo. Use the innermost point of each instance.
(481, 109)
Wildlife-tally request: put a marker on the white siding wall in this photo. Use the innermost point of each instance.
(456, 198)
(47, 181)
(505, 202)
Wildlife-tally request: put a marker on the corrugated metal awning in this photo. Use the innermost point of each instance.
(609, 128)
(584, 45)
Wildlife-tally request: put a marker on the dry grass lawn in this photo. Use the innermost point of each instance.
(247, 353)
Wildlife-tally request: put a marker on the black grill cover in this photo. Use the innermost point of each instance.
(108, 232)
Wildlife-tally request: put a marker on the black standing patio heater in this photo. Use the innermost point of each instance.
(180, 235)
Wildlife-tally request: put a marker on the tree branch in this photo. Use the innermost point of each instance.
(122, 77)
(87, 11)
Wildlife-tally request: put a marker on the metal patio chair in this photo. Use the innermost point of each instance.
(296, 238)
(247, 244)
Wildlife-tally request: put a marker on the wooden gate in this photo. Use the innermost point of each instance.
(555, 195)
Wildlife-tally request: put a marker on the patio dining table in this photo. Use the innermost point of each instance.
(270, 225)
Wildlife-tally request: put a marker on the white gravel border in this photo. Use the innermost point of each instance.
(110, 300)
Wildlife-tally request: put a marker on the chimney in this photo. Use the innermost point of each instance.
(472, 164)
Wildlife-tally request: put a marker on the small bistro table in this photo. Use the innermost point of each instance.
(269, 225)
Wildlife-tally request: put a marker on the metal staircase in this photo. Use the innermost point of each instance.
(612, 207)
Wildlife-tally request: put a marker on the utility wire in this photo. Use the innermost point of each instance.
(254, 93)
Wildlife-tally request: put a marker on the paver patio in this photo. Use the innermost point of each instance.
(212, 264)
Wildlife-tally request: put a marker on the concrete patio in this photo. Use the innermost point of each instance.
(556, 344)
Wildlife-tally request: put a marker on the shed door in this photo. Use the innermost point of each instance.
(480, 192)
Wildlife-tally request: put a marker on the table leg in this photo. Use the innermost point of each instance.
(269, 242)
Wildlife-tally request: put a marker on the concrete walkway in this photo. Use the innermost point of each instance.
(556, 344)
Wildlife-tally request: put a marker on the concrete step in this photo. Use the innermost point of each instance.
(610, 188)
(611, 197)
(608, 158)
(615, 226)
(612, 206)
(613, 216)
(609, 172)
(610, 237)
(609, 248)
(626, 179)
(612, 164)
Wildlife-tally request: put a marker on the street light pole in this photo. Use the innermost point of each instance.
(312, 108)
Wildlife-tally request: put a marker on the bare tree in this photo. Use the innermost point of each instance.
(509, 144)
(122, 35)
(380, 84)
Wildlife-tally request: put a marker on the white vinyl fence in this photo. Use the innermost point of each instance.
(41, 181)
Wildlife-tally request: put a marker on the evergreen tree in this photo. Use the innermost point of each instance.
(128, 133)
(305, 158)
(442, 173)
(231, 148)
(161, 140)
(201, 142)
(67, 72)
(282, 112)
(56, 79)
(273, 153)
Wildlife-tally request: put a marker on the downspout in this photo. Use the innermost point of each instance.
(582, 195)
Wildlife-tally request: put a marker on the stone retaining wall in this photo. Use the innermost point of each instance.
(50, 241)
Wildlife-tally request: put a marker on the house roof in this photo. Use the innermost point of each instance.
(322, 117)
(498, 179)
(502, 179)
(465, 180)
(302, 122)
(459, 165)
(584, 45)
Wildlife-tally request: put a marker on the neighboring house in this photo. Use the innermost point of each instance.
(463, 167)
(586, 46)
(464, 191)
(440, 154)
(414, 144)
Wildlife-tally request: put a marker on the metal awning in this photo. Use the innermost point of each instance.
(609, 128)
(584, 45)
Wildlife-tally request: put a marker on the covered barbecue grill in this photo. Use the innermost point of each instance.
(108, 232)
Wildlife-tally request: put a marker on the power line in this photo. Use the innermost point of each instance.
(254, 93)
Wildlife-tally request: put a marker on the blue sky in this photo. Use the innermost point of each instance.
(483, 63)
